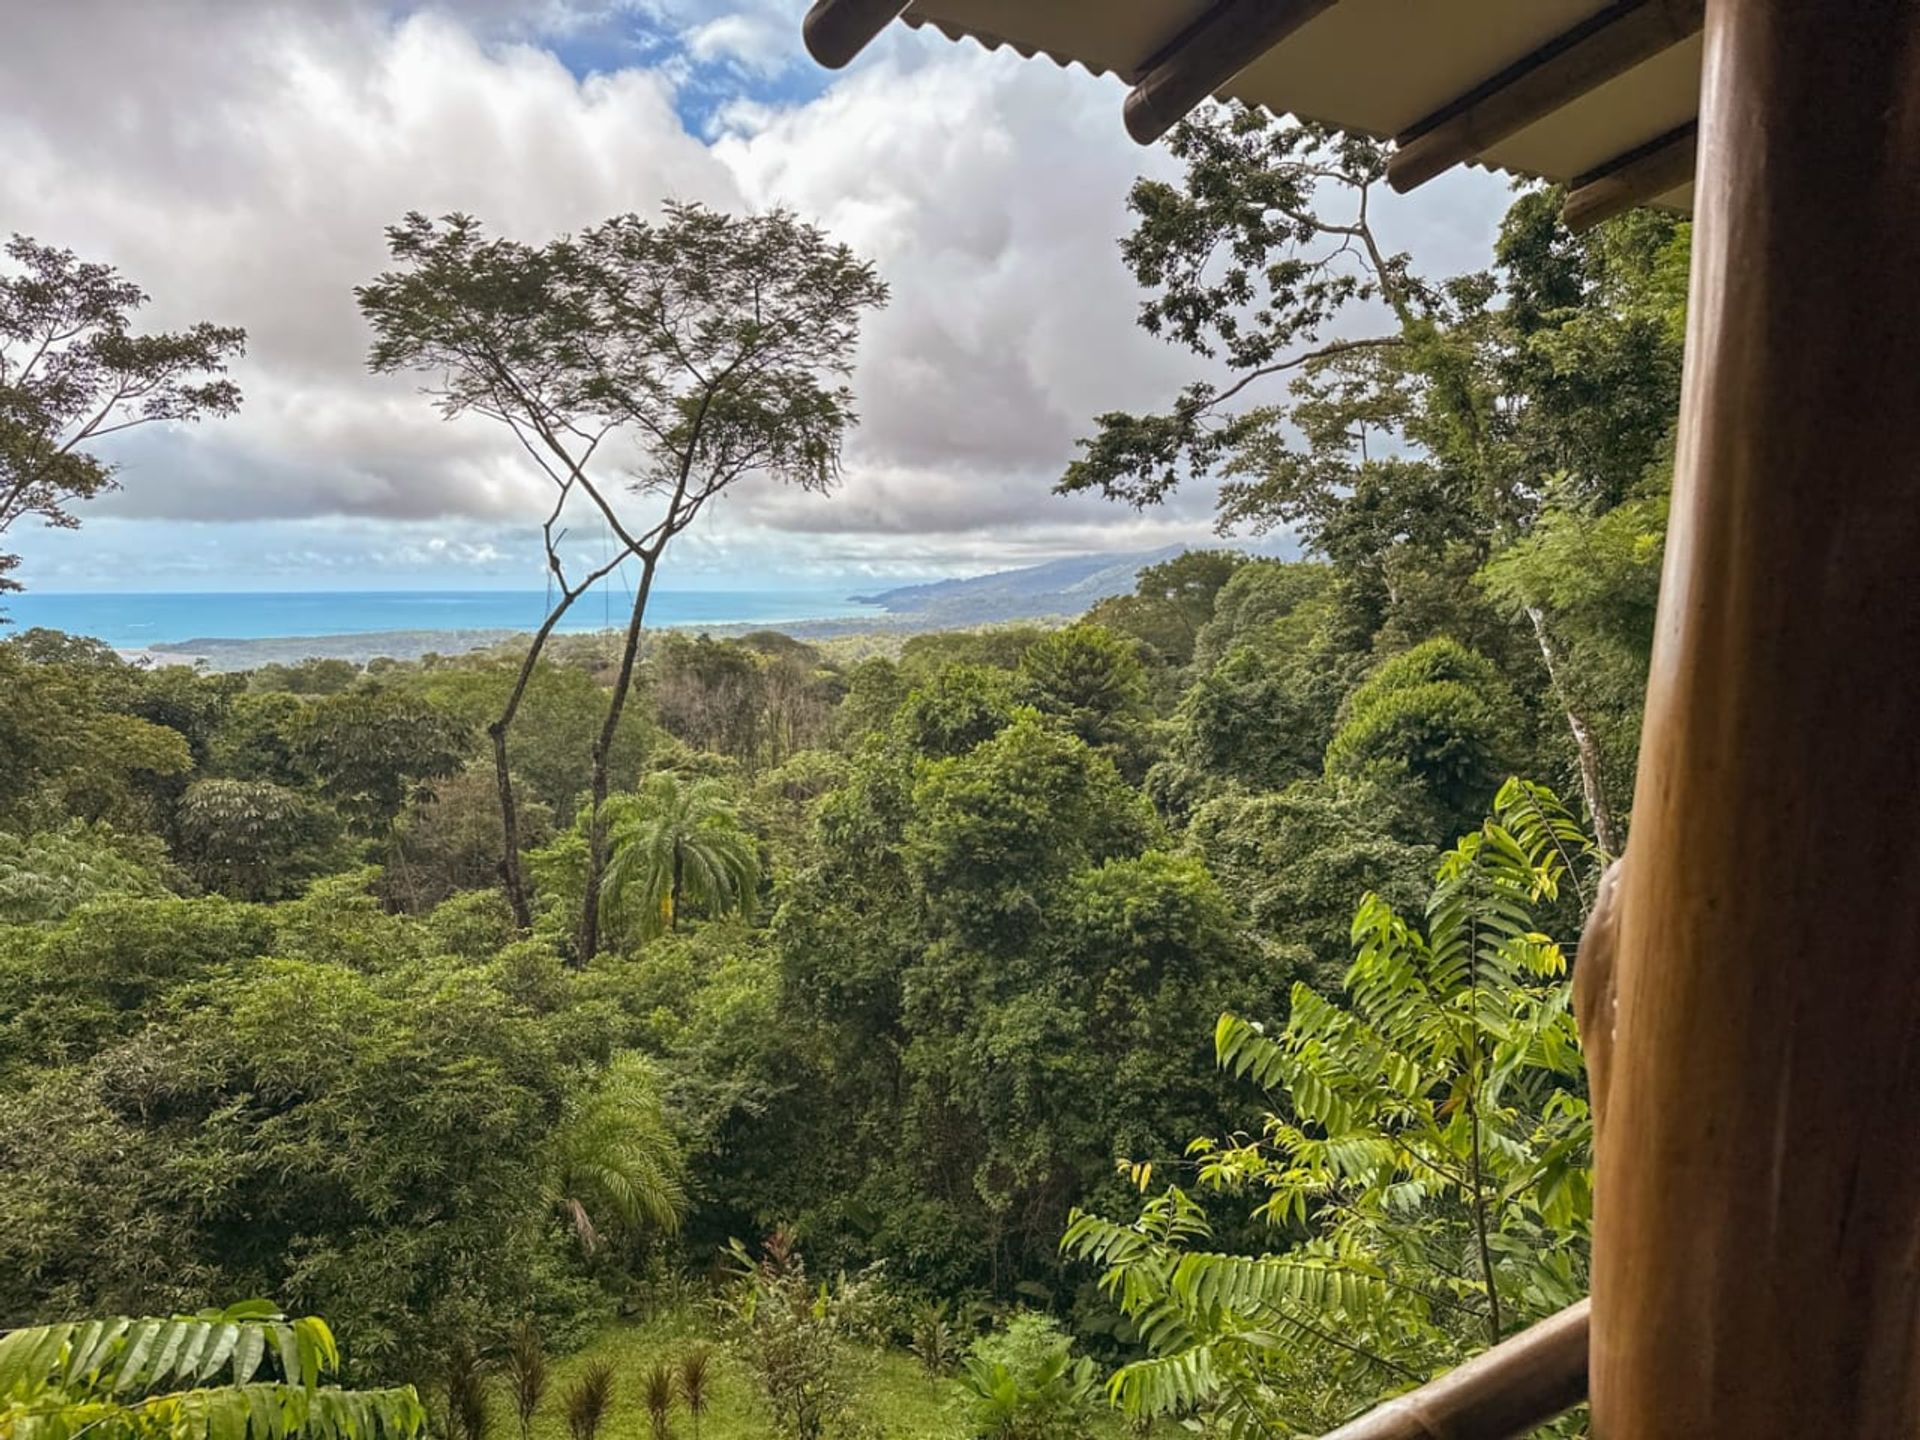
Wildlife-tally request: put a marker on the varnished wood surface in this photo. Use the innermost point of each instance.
(1651, 172)
(1515, 1387)
(1757, 1248)
(1231, 37)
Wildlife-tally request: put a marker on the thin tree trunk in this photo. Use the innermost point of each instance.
(589, 941)
(673, 898)
(1480, 1231)
(1593, 783)
(512, 878)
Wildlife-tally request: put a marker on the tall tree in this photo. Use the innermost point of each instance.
(1171, 602)
(371, 747)
(73, 371)
(638, 362)
(1408, 427)
(1092, 681)
(614, 1163)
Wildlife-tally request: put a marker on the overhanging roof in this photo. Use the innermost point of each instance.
(1598, 96)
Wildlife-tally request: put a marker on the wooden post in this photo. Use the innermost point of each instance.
(1757, 1245)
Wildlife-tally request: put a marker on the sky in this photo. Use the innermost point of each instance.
(239, 159)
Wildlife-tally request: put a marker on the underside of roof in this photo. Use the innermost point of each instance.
(1575, 91)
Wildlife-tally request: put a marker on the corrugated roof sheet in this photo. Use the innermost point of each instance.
(1373, 66)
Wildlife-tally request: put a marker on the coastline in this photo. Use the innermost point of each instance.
(223, 654)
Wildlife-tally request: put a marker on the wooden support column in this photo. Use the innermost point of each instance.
(1757, 1245)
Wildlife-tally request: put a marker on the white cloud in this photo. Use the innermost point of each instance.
(241, 161)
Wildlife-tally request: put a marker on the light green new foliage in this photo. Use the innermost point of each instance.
(677, 842)
(1025, 1383)
(615, 1164)
(1427, 1158)
(191, 1377)
(49, 874)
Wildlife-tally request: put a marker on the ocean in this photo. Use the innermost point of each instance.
(136, 621)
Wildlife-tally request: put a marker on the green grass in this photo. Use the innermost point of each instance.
(895, 1392)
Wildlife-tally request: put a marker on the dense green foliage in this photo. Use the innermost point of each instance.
(1427, 1158)
(899, 960)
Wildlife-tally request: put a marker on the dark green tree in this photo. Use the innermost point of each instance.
(957, 707)
(371, 747)
(1292, 861)
(70, 746)
(1433, 728)
(1409, 428)
(993, 833)
(253, 839)
(1171, 602)
(1091, 681)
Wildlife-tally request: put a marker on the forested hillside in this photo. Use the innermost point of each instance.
(1174, 999)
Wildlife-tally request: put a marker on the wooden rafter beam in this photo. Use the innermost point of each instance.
(837, 30)
(1511, 1390)
(1641, 175)
(1224, 41)
(1571, 65)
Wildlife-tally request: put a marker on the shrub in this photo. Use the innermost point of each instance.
(1024, 1383)
(696, 1384)
(469, 1406)
(657, 1393)
(934, 1339)
(589, 1401)
(526, 1368)
(783, 1328)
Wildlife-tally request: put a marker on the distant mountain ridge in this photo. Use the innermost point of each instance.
(1057, 587)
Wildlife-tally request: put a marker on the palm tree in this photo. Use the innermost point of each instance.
(613, 1160)
(677, 842)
